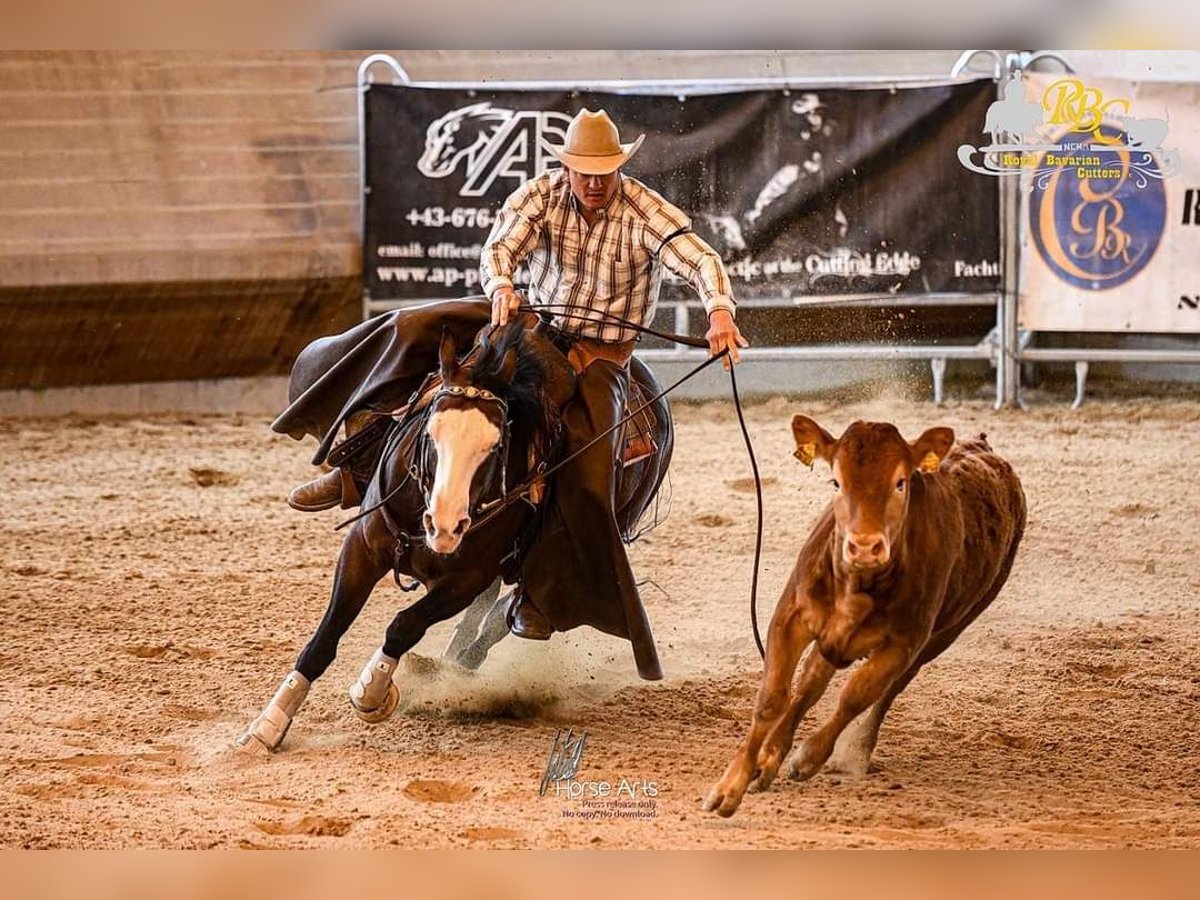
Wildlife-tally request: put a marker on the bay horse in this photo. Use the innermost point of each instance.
(438, 510)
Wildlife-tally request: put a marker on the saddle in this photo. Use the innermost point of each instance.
(638, 434)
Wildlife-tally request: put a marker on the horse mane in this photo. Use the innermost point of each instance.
(527, 392)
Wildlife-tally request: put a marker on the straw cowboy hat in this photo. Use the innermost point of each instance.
(593, 146)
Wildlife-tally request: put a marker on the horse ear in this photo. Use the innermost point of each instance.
(448, 360)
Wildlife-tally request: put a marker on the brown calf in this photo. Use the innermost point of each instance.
(917, 542)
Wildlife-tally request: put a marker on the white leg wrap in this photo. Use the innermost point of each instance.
(373, 695)
(266, 732)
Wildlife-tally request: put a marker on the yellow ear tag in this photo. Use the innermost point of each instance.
(931, 462)
(806, 453)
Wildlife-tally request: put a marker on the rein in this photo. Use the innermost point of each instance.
(562, 311)
(493, 509)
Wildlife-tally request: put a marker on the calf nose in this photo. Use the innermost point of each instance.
(867, 549)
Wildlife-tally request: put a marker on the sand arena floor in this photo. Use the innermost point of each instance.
(156, 588)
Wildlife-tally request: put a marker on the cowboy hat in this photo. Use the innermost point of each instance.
(593, 146)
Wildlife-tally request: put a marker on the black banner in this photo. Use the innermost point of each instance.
(821, 192)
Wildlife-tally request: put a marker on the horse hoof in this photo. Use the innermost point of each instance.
(263, 736)
(251, 745)
(380, 713)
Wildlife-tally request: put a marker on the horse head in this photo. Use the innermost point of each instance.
(458, 133)
(514, 380)
(466, 426)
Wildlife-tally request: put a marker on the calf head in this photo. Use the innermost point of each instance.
(872, 468)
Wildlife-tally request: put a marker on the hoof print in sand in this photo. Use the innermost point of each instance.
(433, 791)
(313, 826)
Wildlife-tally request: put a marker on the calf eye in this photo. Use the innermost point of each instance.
(900, 485)
(834, 482)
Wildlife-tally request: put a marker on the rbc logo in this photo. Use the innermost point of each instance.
(1096, 220)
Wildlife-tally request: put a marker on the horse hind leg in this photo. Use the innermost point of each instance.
(492, 631)
(466, 632)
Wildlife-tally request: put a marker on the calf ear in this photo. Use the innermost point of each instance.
(931, 448)
(812, 441)
(447, 360)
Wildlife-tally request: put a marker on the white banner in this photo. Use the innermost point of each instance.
(1110, 220)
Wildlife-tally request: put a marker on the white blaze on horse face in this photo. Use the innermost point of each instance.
(463, 439)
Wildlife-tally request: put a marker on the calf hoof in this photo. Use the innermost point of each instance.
(722, 803)
(763, 780)
(852, 766)
(374, 695)
(802, 767)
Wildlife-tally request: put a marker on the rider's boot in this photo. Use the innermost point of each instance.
(526, 620)
(324, 492)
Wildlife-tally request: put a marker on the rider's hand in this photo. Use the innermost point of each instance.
(723, 333)
(505, 302)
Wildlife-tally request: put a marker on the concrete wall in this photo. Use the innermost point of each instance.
(173, 215)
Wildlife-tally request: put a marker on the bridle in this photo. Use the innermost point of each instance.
(497, 459)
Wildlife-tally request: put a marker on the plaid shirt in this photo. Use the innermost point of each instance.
(615, 266)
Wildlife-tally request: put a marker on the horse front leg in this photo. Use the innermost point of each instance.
(375, 696)
(360, 566)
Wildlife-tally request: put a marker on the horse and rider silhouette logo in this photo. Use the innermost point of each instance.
(1097, 208)
(489, 142)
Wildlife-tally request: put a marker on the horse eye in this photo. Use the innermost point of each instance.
(900, 485)
(834, 482)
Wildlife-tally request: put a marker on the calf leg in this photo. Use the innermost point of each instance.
(814, 679)
(359, 569)
(865, 687)
(853, 749)
(852, 752)
(786, 640)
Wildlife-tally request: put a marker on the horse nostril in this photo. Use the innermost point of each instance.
(877, 548)
(427, 519)
(463, 525)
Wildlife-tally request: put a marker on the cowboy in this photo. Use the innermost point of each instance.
(596, 242)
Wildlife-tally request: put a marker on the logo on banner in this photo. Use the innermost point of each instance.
(1094, 172)
(1073, 125)
(1097, 225)
(488, 142)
